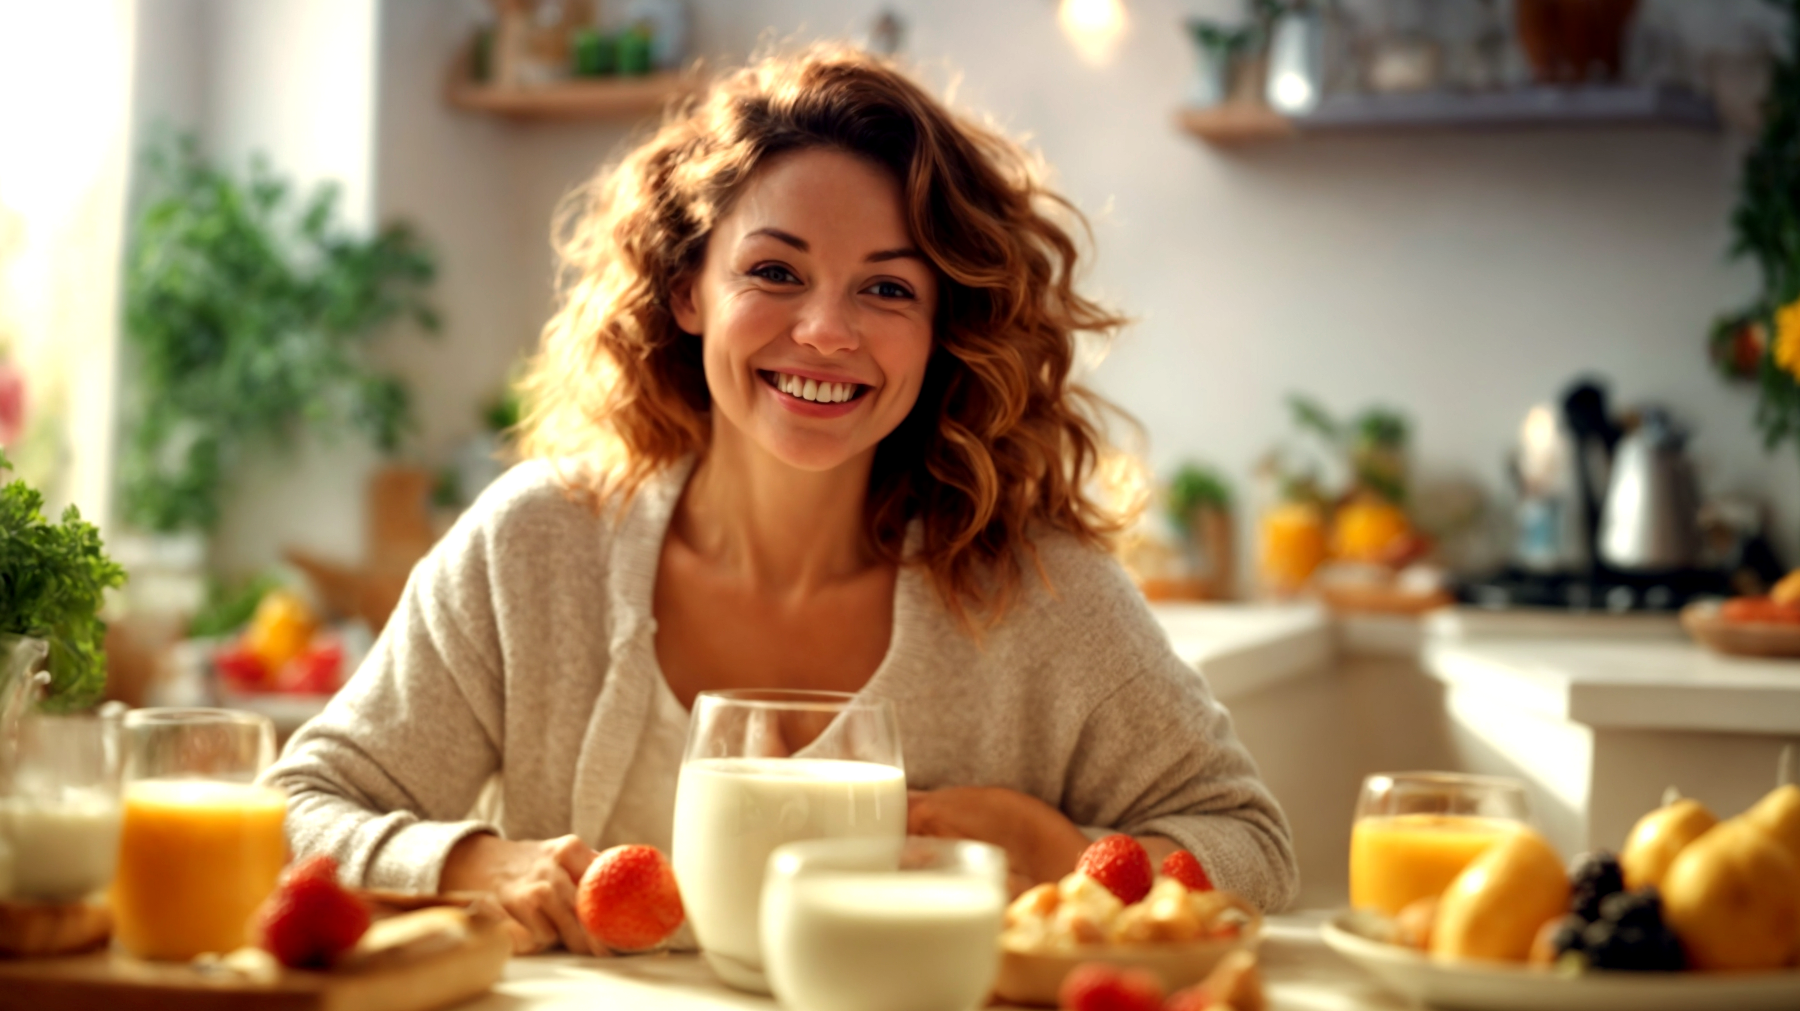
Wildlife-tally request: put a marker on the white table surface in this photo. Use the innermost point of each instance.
(1300, 972)
(1241, 648)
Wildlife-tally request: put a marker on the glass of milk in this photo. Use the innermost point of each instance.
(59, 809)
(764, 768)
(883, 925)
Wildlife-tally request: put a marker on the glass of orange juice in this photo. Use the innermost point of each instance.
(1416, 831)
(200, 844)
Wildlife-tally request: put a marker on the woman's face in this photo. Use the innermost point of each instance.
(815, 310)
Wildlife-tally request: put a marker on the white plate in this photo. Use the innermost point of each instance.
(1492, 986)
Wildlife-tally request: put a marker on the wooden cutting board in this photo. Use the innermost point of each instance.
(110, 982)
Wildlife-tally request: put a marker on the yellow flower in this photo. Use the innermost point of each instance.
(1787, 338)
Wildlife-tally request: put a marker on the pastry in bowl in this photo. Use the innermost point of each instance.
(1173, 929)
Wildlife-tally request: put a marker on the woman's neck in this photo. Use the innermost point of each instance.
(780, 528)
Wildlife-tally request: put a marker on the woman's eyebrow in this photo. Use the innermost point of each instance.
(777, 234)
(903, 253)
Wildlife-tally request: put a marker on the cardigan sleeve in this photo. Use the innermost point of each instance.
(1156, 754)
(384, 779)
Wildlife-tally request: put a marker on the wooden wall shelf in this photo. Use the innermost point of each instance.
(593, 98)
(1593, 105)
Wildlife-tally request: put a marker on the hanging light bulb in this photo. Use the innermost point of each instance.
(1093, 26)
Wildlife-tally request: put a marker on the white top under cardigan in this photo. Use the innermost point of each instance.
(524, 647)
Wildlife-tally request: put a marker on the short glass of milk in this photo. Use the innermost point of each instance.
(764, 768)
(59, 807)
(883, 925)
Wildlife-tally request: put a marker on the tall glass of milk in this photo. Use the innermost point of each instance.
(764, 768)
(883, 925)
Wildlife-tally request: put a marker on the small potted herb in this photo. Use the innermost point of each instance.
(53, 580)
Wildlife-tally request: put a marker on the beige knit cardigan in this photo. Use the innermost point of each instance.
(523, 649)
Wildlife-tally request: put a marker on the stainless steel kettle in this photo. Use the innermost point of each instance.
(1651, 521)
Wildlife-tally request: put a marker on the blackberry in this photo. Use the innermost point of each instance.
(1568, 936)
(1630, 935)
(1595, 876)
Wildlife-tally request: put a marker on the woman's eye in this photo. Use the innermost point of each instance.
(890, 289)
(774, 272)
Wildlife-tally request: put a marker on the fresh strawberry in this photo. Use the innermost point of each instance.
(311, 919)
(318, 671)
(1120, 863)
(628, 899)
(1194, 998)
(1185, 868)
(1097, 986)
(241, 668)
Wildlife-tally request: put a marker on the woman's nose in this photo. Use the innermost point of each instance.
(826, 325)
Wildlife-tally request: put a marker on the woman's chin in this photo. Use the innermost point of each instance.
(813, 453)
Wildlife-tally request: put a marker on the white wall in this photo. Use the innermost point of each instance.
(1460, 276)
(292, 81)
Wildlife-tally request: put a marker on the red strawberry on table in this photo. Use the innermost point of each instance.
(1096, 986)
(311, 919)
(628, 899)
(1120, 863)
(1185, 868)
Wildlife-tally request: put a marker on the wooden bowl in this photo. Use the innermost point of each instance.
(1035, 977)
(1739, 638)
(38, 929)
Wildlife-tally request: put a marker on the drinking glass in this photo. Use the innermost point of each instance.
(767, 767)
(1416, 831)
(883, 924)
(59, 805)
(202, 843)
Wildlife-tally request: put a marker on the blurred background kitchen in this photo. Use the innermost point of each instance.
(1435, 303)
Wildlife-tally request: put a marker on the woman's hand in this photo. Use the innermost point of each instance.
(534, 881)
(1041, 845)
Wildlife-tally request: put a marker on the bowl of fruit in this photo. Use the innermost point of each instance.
(1693, 912)
(1750, 626)
(1117, 909)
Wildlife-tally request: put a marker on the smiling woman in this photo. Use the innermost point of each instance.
(803, 421)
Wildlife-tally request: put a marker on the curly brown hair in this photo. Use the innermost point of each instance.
(1000, 442)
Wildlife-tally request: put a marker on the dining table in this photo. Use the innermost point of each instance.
(1299, 973)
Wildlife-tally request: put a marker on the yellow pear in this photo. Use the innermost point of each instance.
(1659, 837)
(1494, 908)
(1733, 897)
(1778, 814)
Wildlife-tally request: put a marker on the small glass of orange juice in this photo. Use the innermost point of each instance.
(1416, 831)
(200, 844)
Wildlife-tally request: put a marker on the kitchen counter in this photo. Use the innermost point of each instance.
(1244, 648)
(1600, 714)
(1300, 973)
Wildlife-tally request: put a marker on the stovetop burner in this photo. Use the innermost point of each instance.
(1612, 592)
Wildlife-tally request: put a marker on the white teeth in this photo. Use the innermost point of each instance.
(814, 390)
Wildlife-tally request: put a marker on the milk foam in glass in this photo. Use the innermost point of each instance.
(764, 769)
(873, 925)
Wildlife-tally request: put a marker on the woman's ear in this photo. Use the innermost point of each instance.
(683, 306)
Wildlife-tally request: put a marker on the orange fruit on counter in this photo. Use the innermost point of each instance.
(1494, 908)
(1778, 814)
(1366, 528)
(280, 629)
(1733, 897)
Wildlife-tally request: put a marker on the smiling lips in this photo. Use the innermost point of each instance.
(813, 390)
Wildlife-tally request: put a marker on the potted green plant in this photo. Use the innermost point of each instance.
(1761, 343)
(53, 581)
(246, 321)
